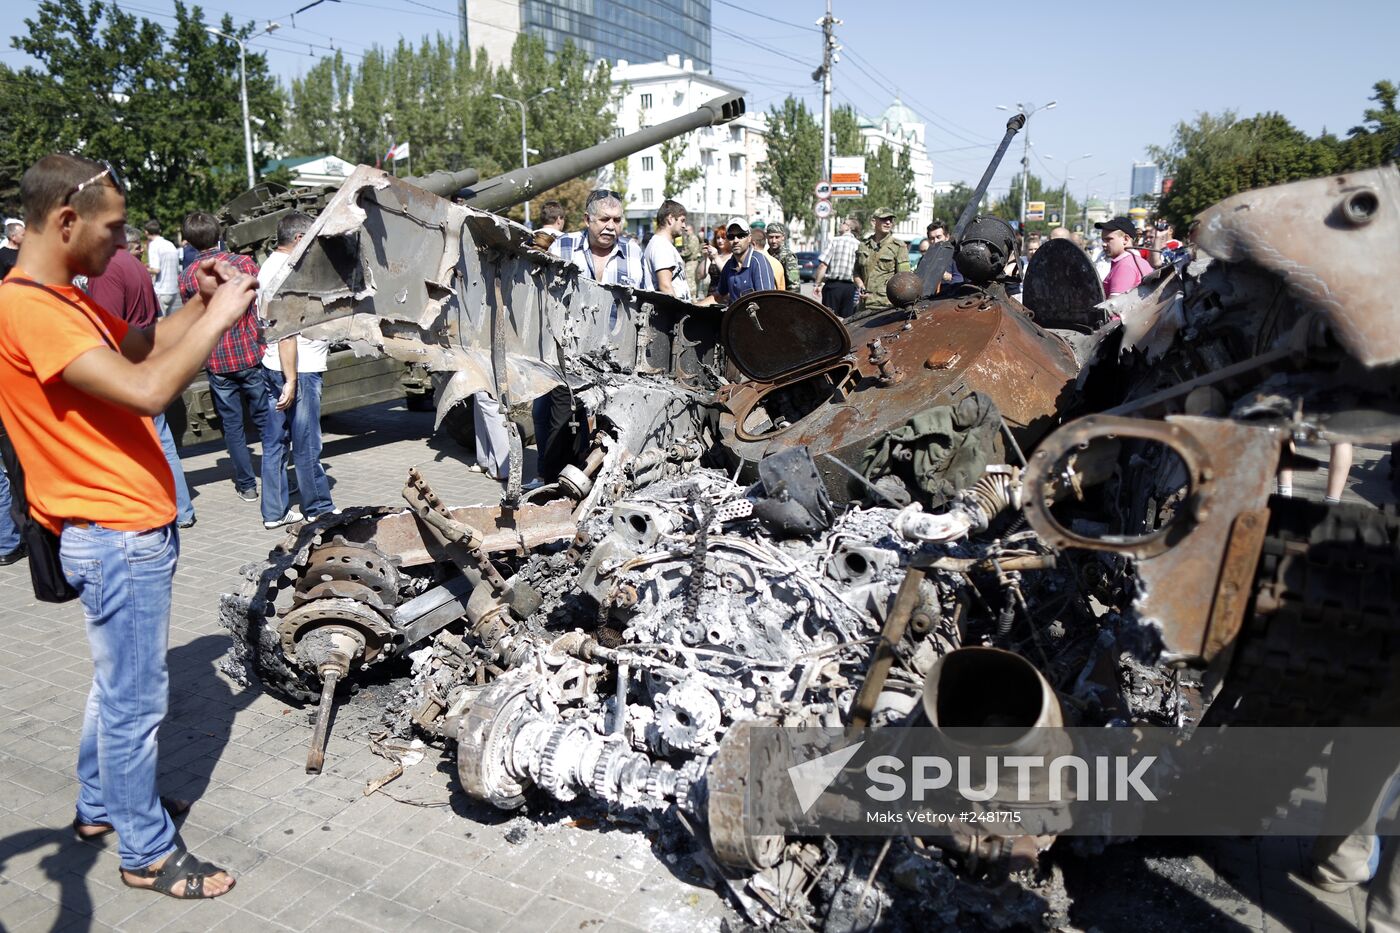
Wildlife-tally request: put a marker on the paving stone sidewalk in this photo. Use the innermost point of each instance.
(315, 852)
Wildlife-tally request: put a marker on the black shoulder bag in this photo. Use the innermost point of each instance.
(45, 567)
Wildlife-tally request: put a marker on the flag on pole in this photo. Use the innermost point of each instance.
(397, 153)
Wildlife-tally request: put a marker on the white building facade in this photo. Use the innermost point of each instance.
(901, 129)
(727, 156)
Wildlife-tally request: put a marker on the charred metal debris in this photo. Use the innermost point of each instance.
(776, 516)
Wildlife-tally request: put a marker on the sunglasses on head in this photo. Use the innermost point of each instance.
(107, 171)
(601, 195)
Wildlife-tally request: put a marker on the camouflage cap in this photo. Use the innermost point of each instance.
(776, 227)
(881, 212)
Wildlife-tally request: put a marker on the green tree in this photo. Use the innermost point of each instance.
(677, 179)
(794, 160)
(845, 132)
(948, 207)
(1009, 207)
(1216, 157)
(889, 183)
(1378, 138)
(163, 108)
(437, 97)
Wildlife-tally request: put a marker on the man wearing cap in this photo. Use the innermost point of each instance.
(744, 272)
(777, 248)
(758, 242)
(1126, 267)
(881, 256)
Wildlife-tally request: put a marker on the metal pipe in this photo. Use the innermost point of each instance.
(316, 757)
(938, 259)
(882, 655)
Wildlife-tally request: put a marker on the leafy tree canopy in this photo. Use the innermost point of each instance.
(162, 107)
(437, 97)
(1215, 156)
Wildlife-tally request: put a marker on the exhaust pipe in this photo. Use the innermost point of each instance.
(988, 704)
(990, 689)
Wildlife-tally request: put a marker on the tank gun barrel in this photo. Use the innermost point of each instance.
(446, 184)
(938, 259)
(521, 185)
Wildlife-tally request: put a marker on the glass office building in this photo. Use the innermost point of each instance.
(635, 30)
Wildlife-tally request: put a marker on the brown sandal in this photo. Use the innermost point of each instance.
(179, 866)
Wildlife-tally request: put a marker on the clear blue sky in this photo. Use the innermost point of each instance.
(1122, 74)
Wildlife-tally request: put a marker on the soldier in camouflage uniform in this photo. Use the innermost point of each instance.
(689, 247)
(881, 255)
(777, 248)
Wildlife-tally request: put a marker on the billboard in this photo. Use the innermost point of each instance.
(847, 176)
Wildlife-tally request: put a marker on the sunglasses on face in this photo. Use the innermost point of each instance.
(107, 171)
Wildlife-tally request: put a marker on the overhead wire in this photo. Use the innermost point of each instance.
(748, 10)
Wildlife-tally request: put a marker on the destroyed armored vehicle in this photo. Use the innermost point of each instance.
(704, 569)
(355, 378)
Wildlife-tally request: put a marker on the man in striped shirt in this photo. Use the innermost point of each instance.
(601, 251)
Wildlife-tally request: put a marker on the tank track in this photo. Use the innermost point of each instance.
(1318, 649)
(1322, 637)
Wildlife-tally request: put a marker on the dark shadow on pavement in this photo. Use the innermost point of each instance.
(195, 731)
(66, 867)
(200, 721)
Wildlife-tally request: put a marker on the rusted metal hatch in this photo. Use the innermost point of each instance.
(771, 336)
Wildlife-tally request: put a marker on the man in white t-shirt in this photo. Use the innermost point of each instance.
(163, 258)
(292, 370)
(663, 260)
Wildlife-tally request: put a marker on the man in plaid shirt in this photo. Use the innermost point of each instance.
(835, 279)
(235, 366)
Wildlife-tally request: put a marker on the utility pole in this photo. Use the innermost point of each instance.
(1028, 110)
(1086, 200)
(829, 58)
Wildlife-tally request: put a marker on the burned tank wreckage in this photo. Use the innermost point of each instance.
(355, 379)
(727, 552)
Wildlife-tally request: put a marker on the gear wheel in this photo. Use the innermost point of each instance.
(688, 716)
(561, 763)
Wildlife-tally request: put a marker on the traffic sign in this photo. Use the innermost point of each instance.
(823, 190)
(1035, 210)
(823, 210)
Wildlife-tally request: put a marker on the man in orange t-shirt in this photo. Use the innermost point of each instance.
(78, 389)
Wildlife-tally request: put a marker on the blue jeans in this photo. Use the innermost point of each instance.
(184, 508)
(312, 486)
(9, 534)
(124, 580)
(230, 391)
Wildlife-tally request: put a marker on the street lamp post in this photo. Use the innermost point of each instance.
(243, 87)
(1064, 188)
(1086, 199)
(1027, 109)
(524, 148)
